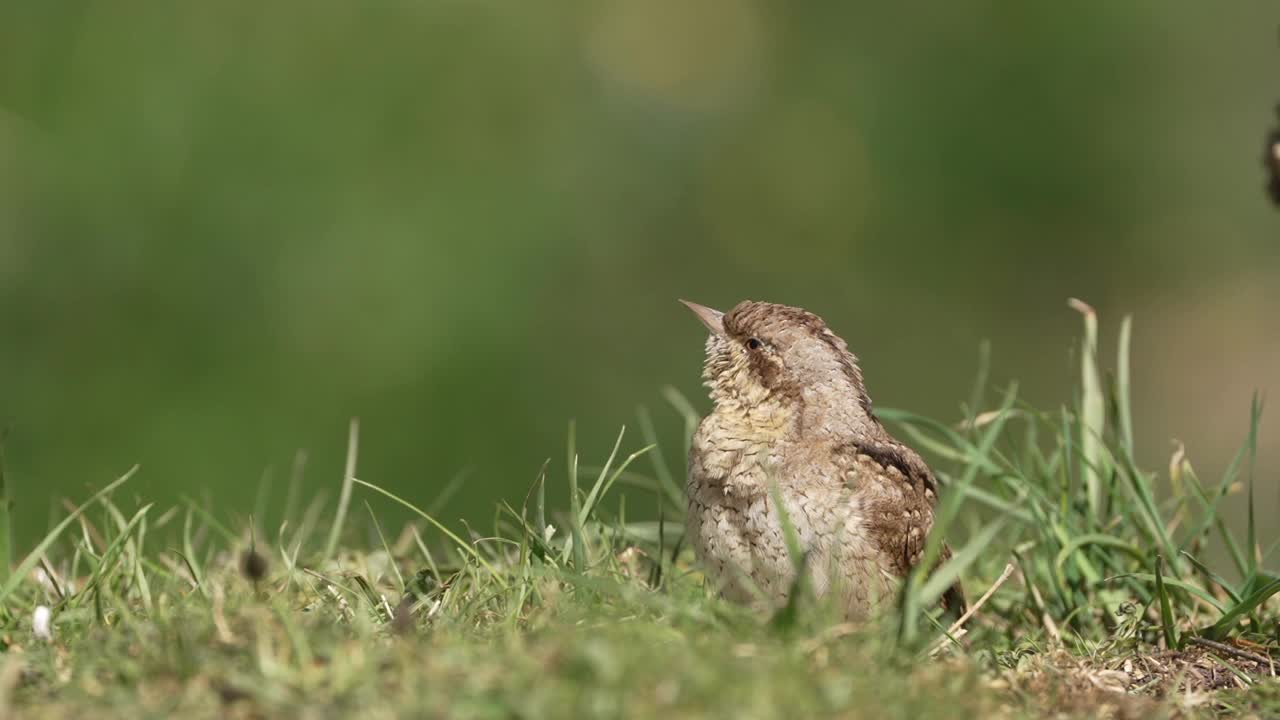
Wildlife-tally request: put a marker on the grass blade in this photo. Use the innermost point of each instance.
(463, 545)
(1219, 630)
(786, 618)
(1098, 539)
(34, 556)
(1213, 577)
(344, 499)
(660, 469)
(585, 511)
(391, 558)
(1124, 411)
(1092, 408)
(574, 546)
(952, 500)
(1191, 588)
(1166, 609)
(114, 550)
(691, 419)
(1251, 536)
(594, 499)
(189, 554)
(946, 575)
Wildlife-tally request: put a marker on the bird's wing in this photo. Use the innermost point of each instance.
(911, 468)
(899, 493)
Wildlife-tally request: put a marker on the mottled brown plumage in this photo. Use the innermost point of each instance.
(791, 410)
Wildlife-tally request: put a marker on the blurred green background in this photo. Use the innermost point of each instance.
(225, 228)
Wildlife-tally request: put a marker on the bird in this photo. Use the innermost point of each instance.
(792, 424)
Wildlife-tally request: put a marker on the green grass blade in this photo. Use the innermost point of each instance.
(594, 499)
(991, 500)
(463, 545)
(687, 411)
(1266, 556)
(953, 499)
(450, 489)
(191, 569)
(1223, 627)
(575, 546)
(344, 499)
(790, 538)
(132, 548)
(786, 618)
(297, 638)
(1166, 609)
(954, 446)
(585, 511)
(189, 553)
(1173, 583)
(1148, 509)
(199, 508)
(114, 550)
(1251, 533)
(1124, 410)
(34, 556)
(1080, 541)
(296, 473)
(1068, 455)
(661, 471)
(979, 391)
(949, 572)
(540, 509)
(659, 568)
(391, 558)
(1092, 408)
(1212, 519)
(1224, 487)
(1213, 577)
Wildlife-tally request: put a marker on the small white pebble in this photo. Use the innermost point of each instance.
(41, 626)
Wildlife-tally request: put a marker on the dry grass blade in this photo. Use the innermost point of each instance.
(344, 499)
(973, 609)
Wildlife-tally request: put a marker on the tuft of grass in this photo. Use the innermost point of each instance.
(1095, 594)
(27, 565)
(1091, 533)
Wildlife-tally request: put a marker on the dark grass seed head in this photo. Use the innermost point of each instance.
(253, 565)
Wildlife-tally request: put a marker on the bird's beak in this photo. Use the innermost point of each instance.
(713, 319)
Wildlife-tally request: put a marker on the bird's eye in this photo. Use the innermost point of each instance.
(754, 344)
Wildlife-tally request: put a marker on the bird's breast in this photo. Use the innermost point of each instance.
(738, 453)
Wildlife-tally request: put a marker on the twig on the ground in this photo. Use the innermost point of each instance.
(1231, 650)
(951, 631)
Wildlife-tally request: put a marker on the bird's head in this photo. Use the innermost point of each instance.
(763, 355)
